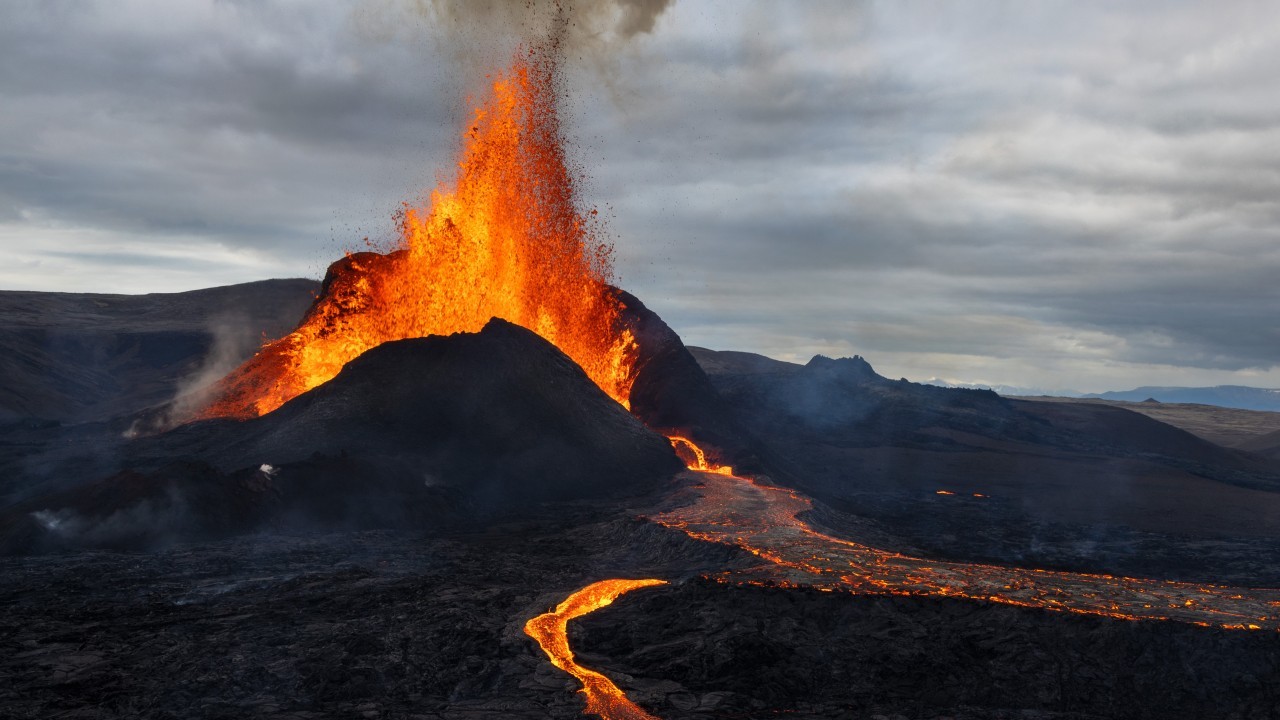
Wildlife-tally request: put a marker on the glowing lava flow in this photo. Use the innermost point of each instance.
(507, 241)
(763, 520)
(699, 458)
(550, 630)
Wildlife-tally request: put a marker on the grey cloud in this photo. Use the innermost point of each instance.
(1049, 191)
(244, 127)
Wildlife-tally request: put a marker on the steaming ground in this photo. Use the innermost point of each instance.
(72, 357)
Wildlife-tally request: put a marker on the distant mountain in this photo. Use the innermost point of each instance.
(967, 473)
(1007, 390)
(1231, 396)
(1267, 445)
(76, 357)
(412, 434)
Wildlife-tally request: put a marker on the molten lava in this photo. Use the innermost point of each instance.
(764, 520)
(507, 241)
(550, 630)
(693, 456)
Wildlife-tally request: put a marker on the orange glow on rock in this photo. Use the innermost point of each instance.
(506, 241)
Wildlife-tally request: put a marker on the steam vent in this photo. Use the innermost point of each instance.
(473, 473)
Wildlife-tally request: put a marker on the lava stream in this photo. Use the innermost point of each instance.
(698, 459)
(764, 521)
(550, 630)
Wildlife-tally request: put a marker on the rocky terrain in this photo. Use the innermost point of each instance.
(363, 624)
(374, 547)
(379, 624)
(730, 651)
(1075, 486)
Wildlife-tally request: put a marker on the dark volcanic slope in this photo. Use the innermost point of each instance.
(1082, 486)
(72, 356)
(472, 402)
(408, 434)
(673, 393)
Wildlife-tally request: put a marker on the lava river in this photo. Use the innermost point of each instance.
(764, 520)
(550, 630)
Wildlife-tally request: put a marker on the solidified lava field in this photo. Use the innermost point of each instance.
(375, 548)
(383, 625)
(363, 624)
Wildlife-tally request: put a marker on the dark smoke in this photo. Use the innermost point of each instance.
(480, 35)
(598, 25)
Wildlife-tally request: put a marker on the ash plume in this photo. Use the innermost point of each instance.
(585, 26)
(479, 34)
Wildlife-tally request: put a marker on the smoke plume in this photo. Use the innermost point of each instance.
(583, 26)
(479, 35)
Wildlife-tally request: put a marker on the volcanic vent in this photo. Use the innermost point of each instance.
(414, 433)
(506, 241)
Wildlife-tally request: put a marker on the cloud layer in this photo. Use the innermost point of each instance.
(1049, 195)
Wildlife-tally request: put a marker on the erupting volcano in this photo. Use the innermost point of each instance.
(469, 475)
(506, 241)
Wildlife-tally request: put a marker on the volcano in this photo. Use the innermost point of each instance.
(471, 480)
(479, 424)
(439, 483)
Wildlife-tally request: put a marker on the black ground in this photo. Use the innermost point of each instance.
(270, 587)
(384, 625)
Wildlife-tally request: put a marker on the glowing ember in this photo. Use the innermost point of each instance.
(550, 631)
(763, 520)
(506, 242)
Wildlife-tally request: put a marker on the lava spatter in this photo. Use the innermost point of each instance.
(507, 240)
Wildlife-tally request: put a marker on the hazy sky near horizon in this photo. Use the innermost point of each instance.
(1045, 194)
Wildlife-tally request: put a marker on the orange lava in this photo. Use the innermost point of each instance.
(694, 457)
(507, 241)
(550, 630)
(764, 521)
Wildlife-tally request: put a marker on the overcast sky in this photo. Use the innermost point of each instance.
(1056, 195)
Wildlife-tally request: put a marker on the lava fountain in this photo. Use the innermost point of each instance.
(506, 241)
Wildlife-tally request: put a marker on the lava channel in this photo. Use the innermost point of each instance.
(764, 520)
(550, 630)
